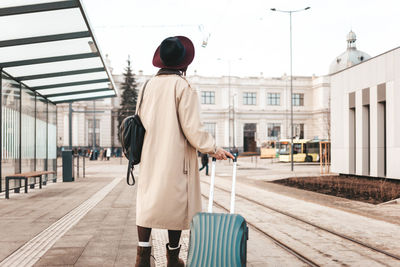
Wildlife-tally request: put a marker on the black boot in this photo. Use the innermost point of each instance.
(173, 259)
(143, 257)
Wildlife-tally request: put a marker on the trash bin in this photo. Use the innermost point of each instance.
(68, 166)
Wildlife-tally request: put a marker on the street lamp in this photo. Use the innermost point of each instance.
(291, 78)
(231, 104)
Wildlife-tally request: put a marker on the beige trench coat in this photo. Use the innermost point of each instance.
(168, 187)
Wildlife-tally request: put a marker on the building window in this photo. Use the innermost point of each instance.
(298, 130)
(298, 99)
(274, 131)
(210, 128)
(207, 97)
(249, 98)
(90, 133)
(274, 99)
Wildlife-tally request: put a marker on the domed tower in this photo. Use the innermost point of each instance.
(350, 57)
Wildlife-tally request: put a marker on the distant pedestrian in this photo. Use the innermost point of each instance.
(108, 153)
(204, 162)
(168, 193)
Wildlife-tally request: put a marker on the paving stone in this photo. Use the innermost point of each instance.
(61, 256)
(94, 262)
(73, 241)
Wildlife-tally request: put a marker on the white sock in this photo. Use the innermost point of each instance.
(144, 244)
(170, 248)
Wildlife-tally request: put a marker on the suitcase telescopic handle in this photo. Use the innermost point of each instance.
(212, 184)
(233, 193)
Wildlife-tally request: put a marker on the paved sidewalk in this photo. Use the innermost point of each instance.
(97, 217)
(103, 234)
(106, 236)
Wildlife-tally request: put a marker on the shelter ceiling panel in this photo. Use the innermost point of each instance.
(67, 65)
(37, 24)
(77, 88)
(44, 50)
(49, 47)
(12, 3)
(81, 96)
(66, 79)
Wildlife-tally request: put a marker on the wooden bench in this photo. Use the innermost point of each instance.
(24, 176)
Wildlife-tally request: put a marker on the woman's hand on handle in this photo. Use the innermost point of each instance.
(222, 154)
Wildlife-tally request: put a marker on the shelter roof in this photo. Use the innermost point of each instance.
(49, 46)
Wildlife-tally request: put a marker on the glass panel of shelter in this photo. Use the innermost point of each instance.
(41, 133)
(27, 130)
(10, 128)
(52, 141)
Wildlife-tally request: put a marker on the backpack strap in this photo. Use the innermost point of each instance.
(141, 98)
(131, 167)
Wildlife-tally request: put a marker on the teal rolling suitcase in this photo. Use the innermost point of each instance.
(218, 239)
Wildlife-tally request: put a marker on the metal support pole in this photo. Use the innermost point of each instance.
(77, 165)
(230, 107)
(1, 127)
(46, 163)
(291, 96)
(291, 78)
(83, 169)
(70, 125)
(233, 121)
(94, 126)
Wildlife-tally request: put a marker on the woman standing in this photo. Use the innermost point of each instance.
(168, 192)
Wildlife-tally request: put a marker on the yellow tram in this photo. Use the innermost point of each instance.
(304, 150)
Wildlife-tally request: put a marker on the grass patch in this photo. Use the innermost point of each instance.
(370, 190)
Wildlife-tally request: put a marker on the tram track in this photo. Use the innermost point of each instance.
(273, 239)
(296, 218)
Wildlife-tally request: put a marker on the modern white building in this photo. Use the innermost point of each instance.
(365, 121)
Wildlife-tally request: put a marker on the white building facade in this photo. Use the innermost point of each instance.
(365, 121)
(244, 112)
(257, 108)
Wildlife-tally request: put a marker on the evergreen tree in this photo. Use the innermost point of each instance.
(129, 94)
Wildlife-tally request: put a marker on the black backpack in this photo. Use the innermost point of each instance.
(131, 134)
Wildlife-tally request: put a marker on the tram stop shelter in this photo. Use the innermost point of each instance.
(48, 55)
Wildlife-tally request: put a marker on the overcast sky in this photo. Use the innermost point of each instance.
(243, 29)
